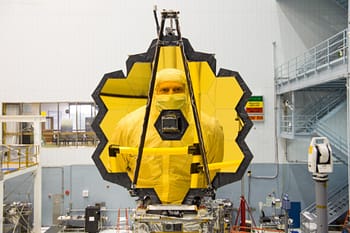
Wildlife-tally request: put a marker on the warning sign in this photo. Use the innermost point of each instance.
(255, 108)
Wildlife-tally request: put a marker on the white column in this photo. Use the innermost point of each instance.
(37, 180)
(348, 123)
(348, 100)
(1, 201)
(37, 200)
(37, 132)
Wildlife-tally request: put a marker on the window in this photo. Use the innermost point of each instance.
(67, 123)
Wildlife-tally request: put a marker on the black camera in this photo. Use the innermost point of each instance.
(171, 125)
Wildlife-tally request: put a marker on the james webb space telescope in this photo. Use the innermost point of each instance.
(223, 96)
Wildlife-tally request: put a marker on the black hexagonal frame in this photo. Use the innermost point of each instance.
(171, 124)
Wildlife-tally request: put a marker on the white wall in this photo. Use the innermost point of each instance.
(304, 24)
(58, 50)
(66, 156)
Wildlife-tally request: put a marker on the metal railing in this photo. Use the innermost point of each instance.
(287, 124)
(18, 156)
(71, 138)
(300, 124)
(307, 123)
(324, 55)
(337, 203)
(338, 143)
(335, 139)
(324, 104)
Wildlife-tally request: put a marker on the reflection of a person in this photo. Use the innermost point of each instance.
(169, 175)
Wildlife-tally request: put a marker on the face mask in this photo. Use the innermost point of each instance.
(170, 102)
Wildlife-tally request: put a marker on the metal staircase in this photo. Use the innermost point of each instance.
(339, 144)
(326, 102)
(307, 121)
(338, 199)
(342, 3)
(338, 204)
(323, 67)
(323, 63)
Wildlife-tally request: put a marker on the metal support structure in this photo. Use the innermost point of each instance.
(1, 201)
(348, 101)
(242, 205)
(37, 200)
(163, 32)
(292, 111)
(329, 54)
(241, 214)
(348, 127)
(321, 202)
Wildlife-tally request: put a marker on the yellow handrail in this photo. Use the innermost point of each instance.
(14, 157)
